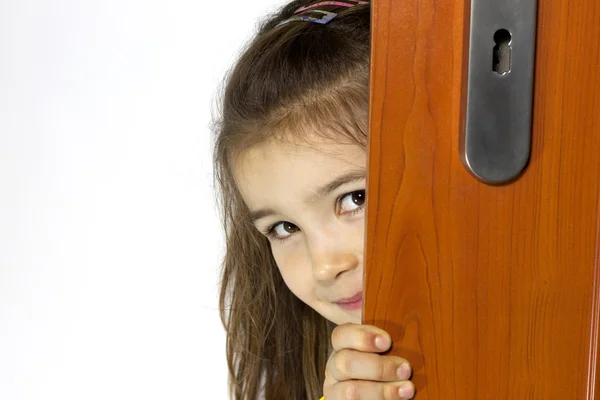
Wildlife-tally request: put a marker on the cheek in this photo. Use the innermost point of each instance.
(296, 272)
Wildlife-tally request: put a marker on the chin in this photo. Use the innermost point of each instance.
(339, 316)
(356, 318)
(348, 318)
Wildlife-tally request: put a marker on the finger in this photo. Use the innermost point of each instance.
(351, 364)
(365, 390)
(360, 337)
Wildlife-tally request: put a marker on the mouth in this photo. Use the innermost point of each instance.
(351, 303)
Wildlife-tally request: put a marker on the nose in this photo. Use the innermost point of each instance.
(331, 259)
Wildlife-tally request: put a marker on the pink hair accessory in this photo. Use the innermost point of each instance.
(327, 15)
(328, 3)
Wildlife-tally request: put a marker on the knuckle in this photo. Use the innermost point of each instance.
(380, 373)
(343, 362)
(338, 332)
(365, 337)
(329, 361)
(350, 391)
(390, 392)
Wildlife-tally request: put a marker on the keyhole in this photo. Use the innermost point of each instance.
(502, 50)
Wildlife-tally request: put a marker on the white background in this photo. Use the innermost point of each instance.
(109, 237)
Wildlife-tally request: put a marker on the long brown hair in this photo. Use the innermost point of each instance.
(291, 79)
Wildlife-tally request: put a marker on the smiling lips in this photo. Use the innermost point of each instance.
(351, 303)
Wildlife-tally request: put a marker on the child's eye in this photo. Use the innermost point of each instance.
(281, 231)
(352, 203)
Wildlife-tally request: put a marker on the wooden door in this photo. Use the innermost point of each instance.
(491, 291)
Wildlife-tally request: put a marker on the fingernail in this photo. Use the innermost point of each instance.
(403, 371)
(406, 391)
(382, 342)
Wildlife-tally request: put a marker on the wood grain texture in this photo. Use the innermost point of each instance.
(490, 292)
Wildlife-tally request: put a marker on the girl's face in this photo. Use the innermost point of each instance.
(309, 201)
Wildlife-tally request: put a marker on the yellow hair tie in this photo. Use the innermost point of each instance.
(323, 398)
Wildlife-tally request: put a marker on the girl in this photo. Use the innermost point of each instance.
(290, 163)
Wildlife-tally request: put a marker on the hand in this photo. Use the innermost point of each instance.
(355, 370)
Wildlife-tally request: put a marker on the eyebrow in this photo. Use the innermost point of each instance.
(350, 177)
